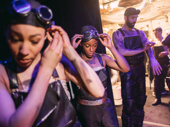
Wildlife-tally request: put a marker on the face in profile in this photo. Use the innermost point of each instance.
(131, 20)
(25, 43)
(89, 47)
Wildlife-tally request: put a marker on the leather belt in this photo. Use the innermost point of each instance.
(92, 102)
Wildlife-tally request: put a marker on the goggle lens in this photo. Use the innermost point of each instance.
(44, 13)
(21, 7)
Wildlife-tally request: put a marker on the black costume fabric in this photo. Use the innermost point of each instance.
(57, 109)
(159, 81)
(103, 115)
(133, 85)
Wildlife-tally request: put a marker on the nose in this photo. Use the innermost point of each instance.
(91, 49)
(24, 49)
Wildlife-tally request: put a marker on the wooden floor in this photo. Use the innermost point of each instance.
(155, 116)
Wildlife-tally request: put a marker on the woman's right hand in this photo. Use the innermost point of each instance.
(53, 53)
(74, 38)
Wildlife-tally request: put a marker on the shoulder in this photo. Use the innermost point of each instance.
(142, 33)
(61, 71)
(117, 34)
(105, 57)
(117, 37)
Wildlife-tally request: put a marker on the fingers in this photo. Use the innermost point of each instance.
(54, 28)
(157, 70)
(76, 36)
(57, 41)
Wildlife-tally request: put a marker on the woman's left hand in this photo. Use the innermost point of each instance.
(105, 40)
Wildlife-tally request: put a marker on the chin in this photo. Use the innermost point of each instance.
(89, 56)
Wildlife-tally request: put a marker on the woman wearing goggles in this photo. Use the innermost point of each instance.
(31, 82)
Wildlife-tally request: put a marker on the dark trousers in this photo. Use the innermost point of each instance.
(97, 116)
(134, 96)
(159, 81)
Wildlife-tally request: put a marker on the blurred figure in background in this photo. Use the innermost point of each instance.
(161, 55)
(166, 42)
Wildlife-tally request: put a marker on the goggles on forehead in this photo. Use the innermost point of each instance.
(23, 8)
(88, 35)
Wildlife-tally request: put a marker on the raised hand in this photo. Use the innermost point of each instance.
(107, 42)
(53, 52)
(64, 36)
(74, 38)
(148, 45)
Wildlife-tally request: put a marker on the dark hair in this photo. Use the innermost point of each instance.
(131, 11)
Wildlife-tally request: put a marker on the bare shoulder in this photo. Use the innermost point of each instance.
(106, 57)
(3, 77)
(61, 71)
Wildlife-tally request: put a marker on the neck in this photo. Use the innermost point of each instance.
(84, 57)
(160, 38)
(125, 27)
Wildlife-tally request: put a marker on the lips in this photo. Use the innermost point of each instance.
(24, 61)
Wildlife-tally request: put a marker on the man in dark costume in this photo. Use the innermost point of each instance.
(132, 43)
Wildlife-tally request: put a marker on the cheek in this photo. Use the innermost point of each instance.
(37, 48)
(14, 48)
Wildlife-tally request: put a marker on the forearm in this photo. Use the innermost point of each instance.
(150, 53)
(27, 113)
(123, 64)
(89, 77)
(128, 52)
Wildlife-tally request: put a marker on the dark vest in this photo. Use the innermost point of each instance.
(133, 42)
(56, 109)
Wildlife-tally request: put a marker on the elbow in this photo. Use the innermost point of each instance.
(126, 69)
(100, 93)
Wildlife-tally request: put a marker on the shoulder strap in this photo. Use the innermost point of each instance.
(137, 30)
(55, 74)
(121, 31)
(100, 59)
(12, 77)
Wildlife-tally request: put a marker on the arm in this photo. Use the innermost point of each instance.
(163, 53)
(28, 111)
(90, 80)
(118, 41)
(153, 62)
(121, 63)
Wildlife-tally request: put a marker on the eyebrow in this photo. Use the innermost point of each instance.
(13, 31)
